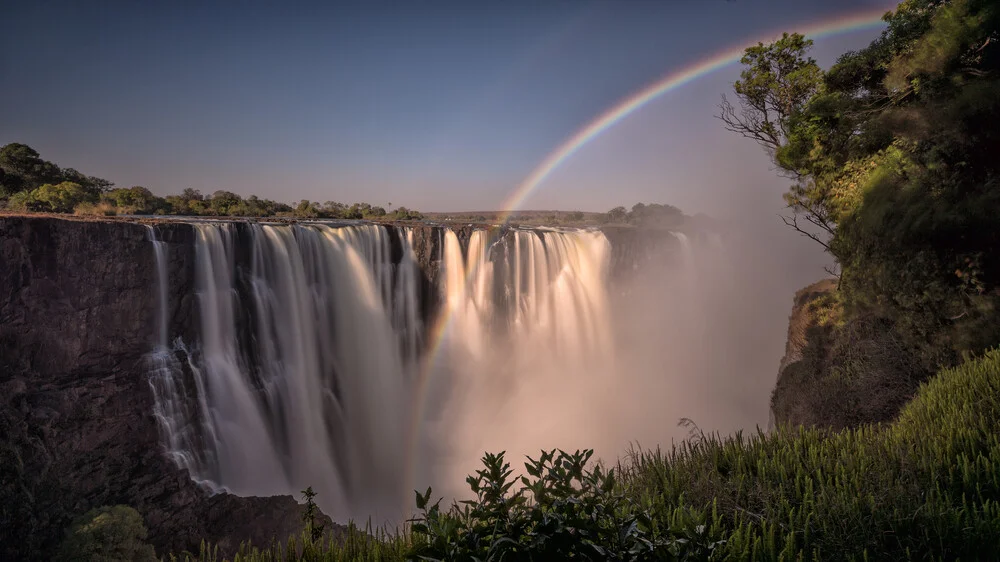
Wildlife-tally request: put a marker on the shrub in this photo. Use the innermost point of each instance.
(60, 198)
(562, 510)
(21, 201)
(101, 208)
(108, 533)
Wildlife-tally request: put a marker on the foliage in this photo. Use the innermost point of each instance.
(59, 198)
(653, 214)
(314, 531)
(352, 545)
(924, 488)
(23, 170)
(778, 80)
(562, 510)
(106, 534)
(852, 372)
(28, 183)
(893, 156)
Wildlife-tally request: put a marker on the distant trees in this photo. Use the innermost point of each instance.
(618, 214)
(653, 214)
(29, 183)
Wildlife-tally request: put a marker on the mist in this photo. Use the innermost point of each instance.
(696, 332)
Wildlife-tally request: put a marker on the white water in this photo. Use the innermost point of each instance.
(527, 351)
(311, 350)
(177, 416)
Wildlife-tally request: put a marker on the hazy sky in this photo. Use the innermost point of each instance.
(430, 104)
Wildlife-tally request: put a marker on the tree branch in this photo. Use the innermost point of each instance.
(793, 222)
(748, 124)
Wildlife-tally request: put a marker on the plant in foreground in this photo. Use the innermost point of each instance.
(562, 509)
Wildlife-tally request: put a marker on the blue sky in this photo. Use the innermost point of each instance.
(429, 104)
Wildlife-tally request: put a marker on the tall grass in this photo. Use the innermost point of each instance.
(352, 545)
(925, 487)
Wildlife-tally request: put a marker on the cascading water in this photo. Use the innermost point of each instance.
(312, 366)
(527, 347)
(178, 417)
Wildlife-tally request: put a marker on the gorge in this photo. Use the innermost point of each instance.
(205, 372)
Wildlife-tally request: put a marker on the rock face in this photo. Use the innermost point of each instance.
(841, 371)
(78, 309)
(799, 322)
(76, 423)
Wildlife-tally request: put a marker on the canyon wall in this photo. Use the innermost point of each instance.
(77, 303)
(78, 309)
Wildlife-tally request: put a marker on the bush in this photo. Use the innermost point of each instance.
(21, 201)
(108, 533)
(101, 208)
(59, 198)
(563, 510)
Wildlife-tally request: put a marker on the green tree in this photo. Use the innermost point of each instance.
(135, 199)
(24, 170)
(106, 534)
(60, 198)
(224, 203)
(777, 80)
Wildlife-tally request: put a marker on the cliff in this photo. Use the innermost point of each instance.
(76, 424)
(841, 371)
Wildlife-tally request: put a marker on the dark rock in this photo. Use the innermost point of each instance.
(77, 314)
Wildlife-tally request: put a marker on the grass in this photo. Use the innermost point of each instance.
(925, 487)
(353, 545)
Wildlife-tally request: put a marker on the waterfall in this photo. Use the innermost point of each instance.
(310, 356)
(177, 416)
(527, 349)
(160, 254)
(307, 346)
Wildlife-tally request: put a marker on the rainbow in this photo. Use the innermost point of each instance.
(870, 19)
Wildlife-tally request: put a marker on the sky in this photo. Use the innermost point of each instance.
(435, 105)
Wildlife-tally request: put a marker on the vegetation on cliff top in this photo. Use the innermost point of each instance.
(30, 184)
(892, 157)
(892, 154)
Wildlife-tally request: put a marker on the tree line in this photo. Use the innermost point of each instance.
(29, 183)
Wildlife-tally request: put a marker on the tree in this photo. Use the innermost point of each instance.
(778, 79)
(189, 194)
(107, 533)
(24, 169)
(224, 203)
(892, 153)
(93, 185)
(618, 214)
(60, 198)
(135, 199)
